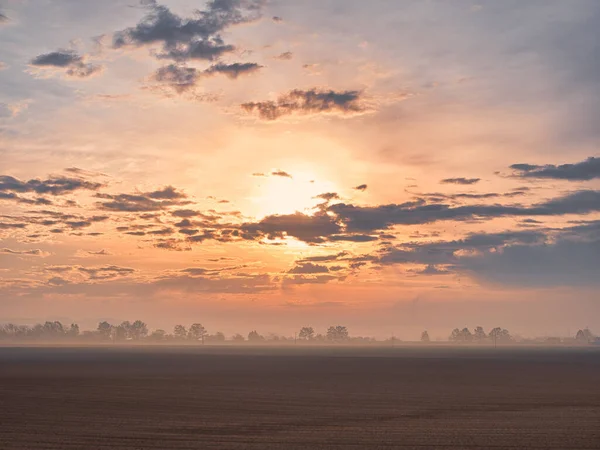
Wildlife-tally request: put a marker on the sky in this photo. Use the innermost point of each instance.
(273, 164)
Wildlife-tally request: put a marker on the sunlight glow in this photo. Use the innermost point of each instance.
(283, 195)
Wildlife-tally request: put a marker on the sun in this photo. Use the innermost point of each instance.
(280, 195)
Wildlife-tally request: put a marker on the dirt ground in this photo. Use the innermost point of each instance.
(292, 398)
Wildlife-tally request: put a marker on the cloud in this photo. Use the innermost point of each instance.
(312, 101)
(370, 218)
(52, 186)
(361, 187)
(167, 193)
(353, 238)
(34, 252)
(312, 229)
(583, 171)
(281, 173)
(144, 201)
(464, 181)
(178, 78)
(308, 268)
(561, 263)
(106, 272)
(185, 39)
(3, 19)
(71, 61)
(234, 70)
(328, 196)
(277, 19)
(285, 56)
(324, 258)
(432, 270)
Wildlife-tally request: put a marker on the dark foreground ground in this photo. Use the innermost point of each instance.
(245, 398)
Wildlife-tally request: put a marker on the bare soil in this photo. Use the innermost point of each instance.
(299, 398)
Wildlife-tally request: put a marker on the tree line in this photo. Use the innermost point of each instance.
(138, 331)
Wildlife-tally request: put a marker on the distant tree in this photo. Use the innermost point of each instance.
(158, 335)
(253, 336)
(425, 336)
(306, 333)
(138, 330)
(180, 332)
(337, 333)
(479, 334)
(197, 332)
(238, 338)
(219, 337)
(500, 335)
(73, 330)
(585, 336)
(455, 336)
(121, 332)
(466, 335)
(105, 330)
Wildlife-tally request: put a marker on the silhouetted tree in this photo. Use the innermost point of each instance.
(158, 335)
(121, 332)
(337, 333)
(455, 335)
(197, 332)
(466, 335)
(500, 335)
(180, 332)
(238, 338)
(105, 330)
(253, 336)
(585, 336)
(425, 336)
(479, 335)
(138, 330)
(306, 333)
(73, 330)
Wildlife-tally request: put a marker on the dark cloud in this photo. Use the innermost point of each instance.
(361, 187)
(464, 181)
(3, 18)
(277, 19)
(311, 101)
(106, 272)
(325, 258)
(27, 201)
(370, 218)
(328, 196)
(143, 202)
(583, 171)
(52, 186)
(563, 262)
(167, 193)
(312, 229)
(353, 238)
(281, 173)
(70, 60)
(185, 39)
(178, 78)
(308, 268)
(34, 252)
(234, 70)
(285, 56)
